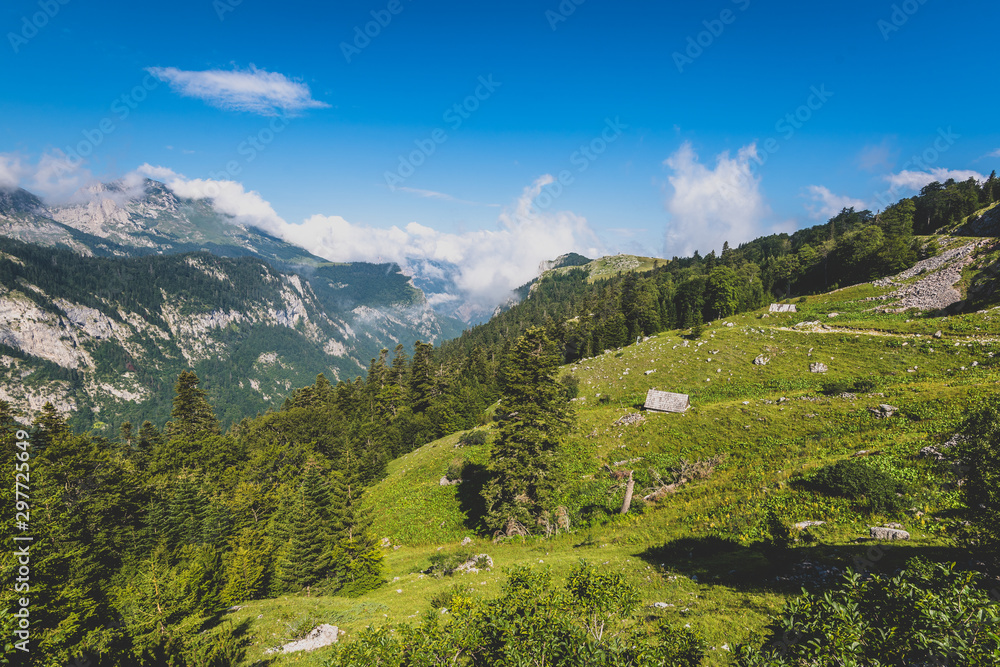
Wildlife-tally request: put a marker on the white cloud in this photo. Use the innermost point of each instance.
(253, 90)
(11, 171)
(482, 266)
(995, 153)
(710, 206)
(56, 177)
(227, 197)
(829, 204)
(915, 180)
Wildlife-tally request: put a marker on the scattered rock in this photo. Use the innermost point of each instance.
(466, 541)
(630, 418)
(883, 533)
(475, 564)
(818, 367)
(447, 482)
(318, 637)
(884, 411)
(662, 605)
(386, 543)
(802, 525)
(938, 334)
(650, 372)
(761, 361)
(833, 314)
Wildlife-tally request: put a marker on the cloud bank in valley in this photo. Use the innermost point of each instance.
(483, 266)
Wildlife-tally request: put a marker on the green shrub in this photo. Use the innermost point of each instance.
(455, 468)
(981, 454)
(444, 564)
(473, 438)
(587, 624)
(571, 385)
(873, 489)
(928, 614)
(443, 599)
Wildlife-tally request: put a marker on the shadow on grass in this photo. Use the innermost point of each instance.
(715, 560)
(470, 495)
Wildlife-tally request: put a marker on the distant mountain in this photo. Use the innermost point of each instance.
(147, 281)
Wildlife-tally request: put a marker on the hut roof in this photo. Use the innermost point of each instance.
(664, 401)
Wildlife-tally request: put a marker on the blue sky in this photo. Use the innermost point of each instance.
(680, 170)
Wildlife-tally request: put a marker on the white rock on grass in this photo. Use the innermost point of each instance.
(889, 534)
(318, 637)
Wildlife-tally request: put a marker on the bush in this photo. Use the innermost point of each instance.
(571, 385)
(473, 438)
(587, 624)
(455, 469)
(928, 614)
(980, 452)
(444, 564)
(875, 490)
(443, 599)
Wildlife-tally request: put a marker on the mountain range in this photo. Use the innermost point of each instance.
(103, 300)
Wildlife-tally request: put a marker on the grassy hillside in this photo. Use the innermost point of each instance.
(691, 549)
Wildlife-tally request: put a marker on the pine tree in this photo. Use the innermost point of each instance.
(248, 565)
(533, 415)
(306, 559)
(186, 512)
(357, 562)
(422, 385)
(193, 417)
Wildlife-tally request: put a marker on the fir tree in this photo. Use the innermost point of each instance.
(248, 565)
(193, 417)
(357, 561)
(535, 415)
(306, 559)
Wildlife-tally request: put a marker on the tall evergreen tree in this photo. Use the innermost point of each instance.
(192, 414)
(534, 416)
(306, 560)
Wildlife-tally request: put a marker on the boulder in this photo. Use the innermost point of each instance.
(884, 411)
(802, 525)
(818, 367)
(318, 637)
(761, 361)
(883, 533)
